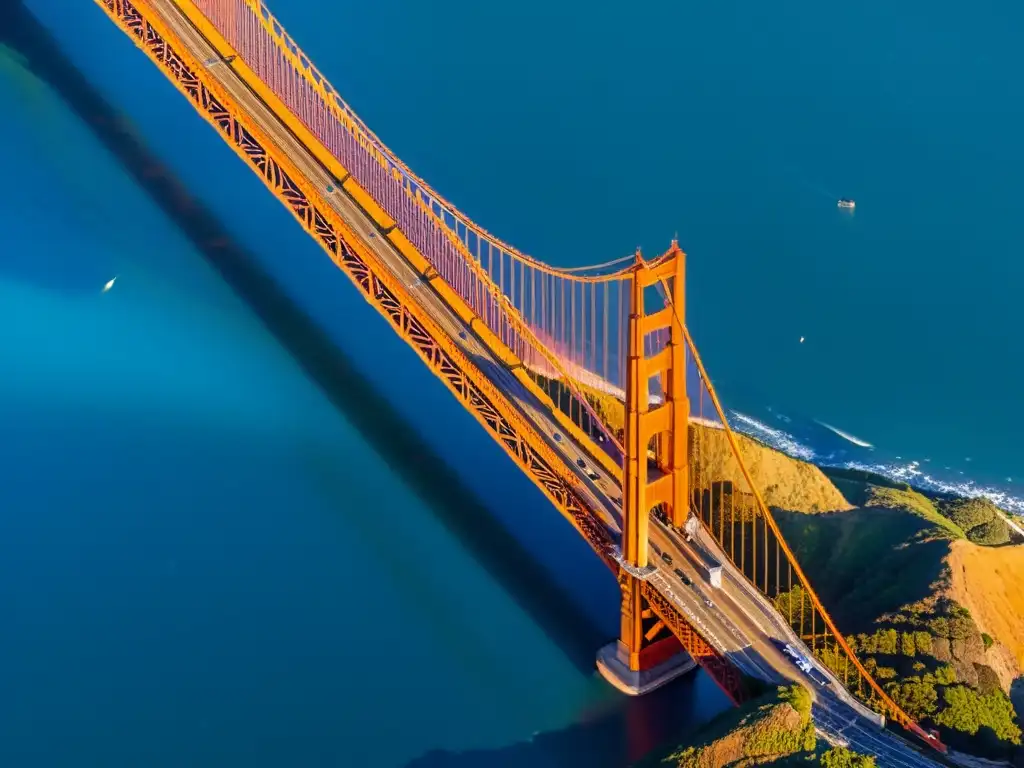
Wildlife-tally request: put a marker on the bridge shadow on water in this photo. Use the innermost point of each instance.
(617, 734)
(381, 426)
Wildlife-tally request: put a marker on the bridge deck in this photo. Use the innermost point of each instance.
(736, 620)
(602, 491)
(730, 630)
(751, 648)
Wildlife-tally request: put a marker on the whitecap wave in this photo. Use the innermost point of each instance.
(776, 438)
(901, 470)
(846, 435)
(970, 489)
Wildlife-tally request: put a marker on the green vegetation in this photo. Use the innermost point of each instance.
(977, 520)
(968, 711)
(969, 513)
(772, 730)
(865, 563)
(929, 659)
(917, 504)
(918, 697)
(883, 572)
(773, 726)
(994, 533)
(841, 757)
(980, 518)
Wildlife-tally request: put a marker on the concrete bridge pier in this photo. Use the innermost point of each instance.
(660, 663)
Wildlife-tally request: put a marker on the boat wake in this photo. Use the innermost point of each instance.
(802, 440)
(846, 435)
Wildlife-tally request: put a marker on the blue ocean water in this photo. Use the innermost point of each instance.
(225, 542)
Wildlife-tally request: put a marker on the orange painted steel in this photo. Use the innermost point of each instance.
(668, 420)
(514, 359)
(303, 64)
(389, 296)
(489, 405)
(504, 301)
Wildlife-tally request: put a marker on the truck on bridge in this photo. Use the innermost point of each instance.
(712, 567)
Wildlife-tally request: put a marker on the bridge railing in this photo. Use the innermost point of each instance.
(567, 326)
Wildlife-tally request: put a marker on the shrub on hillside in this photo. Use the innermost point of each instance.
(884, 673)
(841, 757)
(767, 729)
(923, 641)
(917, 504)
(888, 641)
(968, 711)
(956, 625)
(994, 533)
(908, 644)
(969, 513)
(916, 696)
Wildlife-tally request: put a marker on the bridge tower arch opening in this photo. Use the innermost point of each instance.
(663, 427)
(655, 470)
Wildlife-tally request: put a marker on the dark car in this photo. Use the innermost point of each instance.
(666, 557)
(685, 579)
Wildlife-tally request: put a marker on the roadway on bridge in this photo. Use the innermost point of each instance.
(744, 627)
(732, 618)
(602, 490)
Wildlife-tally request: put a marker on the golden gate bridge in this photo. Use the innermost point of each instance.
(586, 376)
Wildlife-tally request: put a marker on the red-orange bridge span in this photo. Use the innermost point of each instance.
(587, 377)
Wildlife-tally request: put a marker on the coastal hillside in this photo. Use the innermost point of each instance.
(772, 730)
(786, 483)
(989, 582)
(930, 592)
(928, 589)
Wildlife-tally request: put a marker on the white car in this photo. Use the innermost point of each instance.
(800, 660)
(805, 666)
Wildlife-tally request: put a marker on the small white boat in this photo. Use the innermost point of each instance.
(845, 203)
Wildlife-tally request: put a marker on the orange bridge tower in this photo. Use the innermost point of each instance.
(655, 475)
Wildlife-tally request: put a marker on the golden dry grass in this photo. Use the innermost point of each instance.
(784, 482)
(989, 582)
